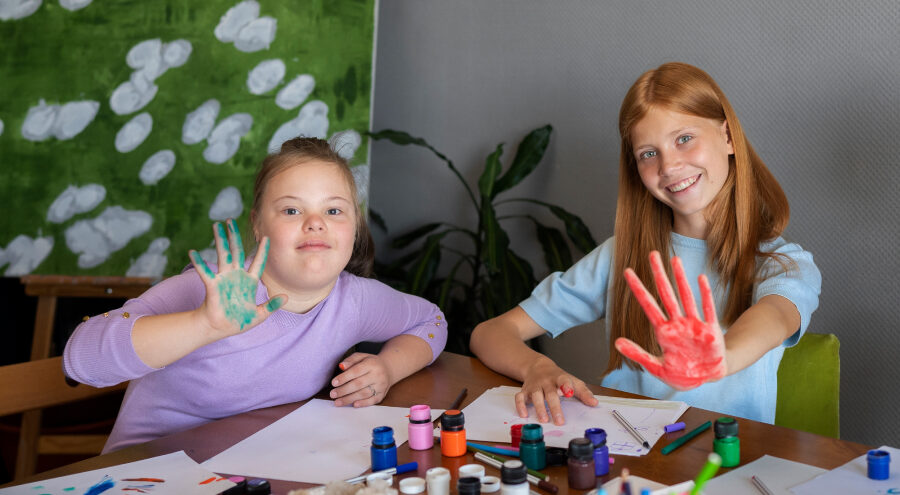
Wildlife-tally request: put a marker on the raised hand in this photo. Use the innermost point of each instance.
(230, 305)
(693, 350)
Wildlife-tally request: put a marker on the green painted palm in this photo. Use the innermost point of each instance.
(490, 277)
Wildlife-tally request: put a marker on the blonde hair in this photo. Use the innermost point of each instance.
(750, 208)
(303, 149)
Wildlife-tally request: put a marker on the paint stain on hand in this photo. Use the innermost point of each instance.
(237, 296)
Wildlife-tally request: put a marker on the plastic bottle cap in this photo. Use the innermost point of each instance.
(471, 470)
(412, 485)
(258, 486)
(532, 432)
(453, 420)
(420, 414)
(581, 449)
(725, 427)
(490, 484)
(513, 472)
(383, 435)
(515, 433)
(557, 456)
(468, 485)
(597, 436)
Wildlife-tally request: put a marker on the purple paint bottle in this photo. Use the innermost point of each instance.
(597, 436)
(421, 432)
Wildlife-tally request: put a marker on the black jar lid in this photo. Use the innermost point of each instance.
(725, 427)
(581, 449)
(513, 472)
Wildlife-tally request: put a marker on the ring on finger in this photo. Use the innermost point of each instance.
(374, 393)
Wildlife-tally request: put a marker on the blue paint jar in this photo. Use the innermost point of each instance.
(597, 436)
(384, 449)
(879, 464)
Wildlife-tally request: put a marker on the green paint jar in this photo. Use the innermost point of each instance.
(726, 442)
(532, 449)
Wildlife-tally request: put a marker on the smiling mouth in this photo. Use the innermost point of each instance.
(313, 245)
(682, 185)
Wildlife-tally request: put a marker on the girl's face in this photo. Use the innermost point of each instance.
(683, 161)
(308, 213)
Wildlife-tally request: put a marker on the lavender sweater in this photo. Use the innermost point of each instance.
(287, 358)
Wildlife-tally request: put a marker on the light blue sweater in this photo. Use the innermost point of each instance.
(582, 294)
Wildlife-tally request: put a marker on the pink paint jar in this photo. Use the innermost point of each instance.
(421, 431)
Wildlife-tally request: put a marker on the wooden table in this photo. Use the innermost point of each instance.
(441, 382)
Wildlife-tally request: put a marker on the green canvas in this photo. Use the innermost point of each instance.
(809, 382)
(54, 56)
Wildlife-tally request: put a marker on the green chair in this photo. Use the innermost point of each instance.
(809, 386)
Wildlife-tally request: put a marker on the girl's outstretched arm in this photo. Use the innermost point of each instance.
(500, 344)
(229, 308)
(694, 349)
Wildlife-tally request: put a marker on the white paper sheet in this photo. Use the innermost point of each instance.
(316, 443)
(175, 474)
(853, 478)
(489, 417)
(778, 474)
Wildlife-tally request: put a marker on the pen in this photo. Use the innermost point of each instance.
(459, 398)
(495, 450)
(402, 468)
(687, 436)
(709, 470)
(501, 460)
(631, 429)
(760, 485)
(534, 480)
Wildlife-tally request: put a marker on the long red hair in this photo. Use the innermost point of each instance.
(750, 208)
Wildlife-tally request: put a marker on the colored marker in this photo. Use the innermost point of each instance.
(713, 461)
(674, 427)
(502, 460)
(403, 468)
(687, 436)
(495, 450)
(631, 429)
(459, 398)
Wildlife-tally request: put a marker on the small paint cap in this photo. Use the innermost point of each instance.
(383, 435)
(468, 486)
(379, 480)
(412, 485)
(258, 486)
(420, 413)
(556, 456)
(532, 432)
(674, 427)
(597, 436)
(725, 427)
(513, 472)
(581, 449)
(453, 420)
(471, 470)
(490, 484)
(879, 464)
(437, 480)
(515, 433)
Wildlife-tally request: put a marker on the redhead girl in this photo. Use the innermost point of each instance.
(692, 188)
(221, 340)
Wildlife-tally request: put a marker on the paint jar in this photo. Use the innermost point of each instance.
(468, 486)
(453, 433)
(726, 442)
(490, 484)
(471, 470)
(515, 433)
(879, 462)
(581, 464)
(421, 433)
(513, 478)
(412, 485)
(380, 481)
(258, 486)
(438, 481)
(384, 450)
(531, 447)
(597, 436)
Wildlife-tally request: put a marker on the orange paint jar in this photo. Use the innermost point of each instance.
(453, 434)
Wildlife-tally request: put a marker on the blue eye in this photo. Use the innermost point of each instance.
(647, 154)
(333, 211)
(291, 211)
(684, 139)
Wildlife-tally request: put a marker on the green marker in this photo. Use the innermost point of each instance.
(709, 470)
(681, 441)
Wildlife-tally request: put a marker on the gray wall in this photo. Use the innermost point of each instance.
(815, 84)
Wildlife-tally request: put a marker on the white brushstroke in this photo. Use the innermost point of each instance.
(152, 263)
(199, 123)
(265, 76)
(257, 35)
(228, 204)
(96, 239)
(134, 132)
(361, 179)
(74, 4)
(157, 166)
(176, 53)
(312, 121)
(1, 127)
(209, 255)
(73, 117)
(144, 53)
(295, 92)
(235, 19)
(39, 121)
(225, 139)
(75, 200)
(24, 254)
(17, 9)
(345, 143)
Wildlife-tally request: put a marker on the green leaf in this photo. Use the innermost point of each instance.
(556, 250)
(490, 173)
(496, 242)
(413, 235)
(425, 266)
(378, 220)
(577, 230)
(448, 283)
(528, 156)
(511, 285)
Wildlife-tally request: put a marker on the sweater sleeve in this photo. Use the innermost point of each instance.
(385, 313)
(796, 278)
(100, 352)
